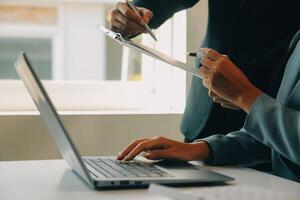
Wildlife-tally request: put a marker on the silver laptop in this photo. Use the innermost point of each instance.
(105, 172)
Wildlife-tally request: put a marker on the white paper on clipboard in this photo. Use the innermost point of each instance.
(149, 51)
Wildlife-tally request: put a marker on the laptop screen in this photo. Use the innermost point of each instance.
(50, 116)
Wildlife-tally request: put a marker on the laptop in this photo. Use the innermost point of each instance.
(105, 172)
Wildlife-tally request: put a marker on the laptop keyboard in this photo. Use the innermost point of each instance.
(117, 169)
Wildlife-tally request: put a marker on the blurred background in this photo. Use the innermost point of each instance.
(63, 41)
(107, 95)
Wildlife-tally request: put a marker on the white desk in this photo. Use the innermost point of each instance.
(45, 180)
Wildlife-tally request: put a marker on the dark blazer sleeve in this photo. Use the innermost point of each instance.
(276, 126)
(164, 9)
(269, 125)
(237, 148)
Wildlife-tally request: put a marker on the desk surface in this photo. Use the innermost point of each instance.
(53, 179)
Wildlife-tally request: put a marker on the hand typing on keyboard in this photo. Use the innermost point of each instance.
(163, 148)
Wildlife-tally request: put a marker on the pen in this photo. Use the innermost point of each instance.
(194, 54)
(132, 7)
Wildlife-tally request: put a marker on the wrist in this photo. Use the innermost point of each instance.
(200, 151)
(247, 98)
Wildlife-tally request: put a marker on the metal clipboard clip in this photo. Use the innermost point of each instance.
(113, 35)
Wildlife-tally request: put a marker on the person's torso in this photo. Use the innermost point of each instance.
(249, 31)
(289, 96)
(255, 35)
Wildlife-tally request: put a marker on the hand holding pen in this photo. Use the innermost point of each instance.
(210, 65)
(127, 21)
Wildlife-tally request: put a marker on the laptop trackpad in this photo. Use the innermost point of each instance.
(186, 170)
(175, 164)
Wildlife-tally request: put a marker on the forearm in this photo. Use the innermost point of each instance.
(246, 99)
(199, 150)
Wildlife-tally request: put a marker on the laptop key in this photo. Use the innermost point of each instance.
(120, 168)
(137, 172)
(98, 169)
(111, 168)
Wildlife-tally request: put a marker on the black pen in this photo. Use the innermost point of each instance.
(195, 54)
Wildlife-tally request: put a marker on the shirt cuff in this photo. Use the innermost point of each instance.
(215, 146)
(262, 104)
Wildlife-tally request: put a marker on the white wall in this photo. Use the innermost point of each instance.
(25, 137)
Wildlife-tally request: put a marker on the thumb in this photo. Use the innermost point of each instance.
(146, 14)
(158, 154)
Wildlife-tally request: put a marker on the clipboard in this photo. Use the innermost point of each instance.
(149, 51)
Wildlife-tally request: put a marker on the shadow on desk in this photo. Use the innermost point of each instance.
(70, 181)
